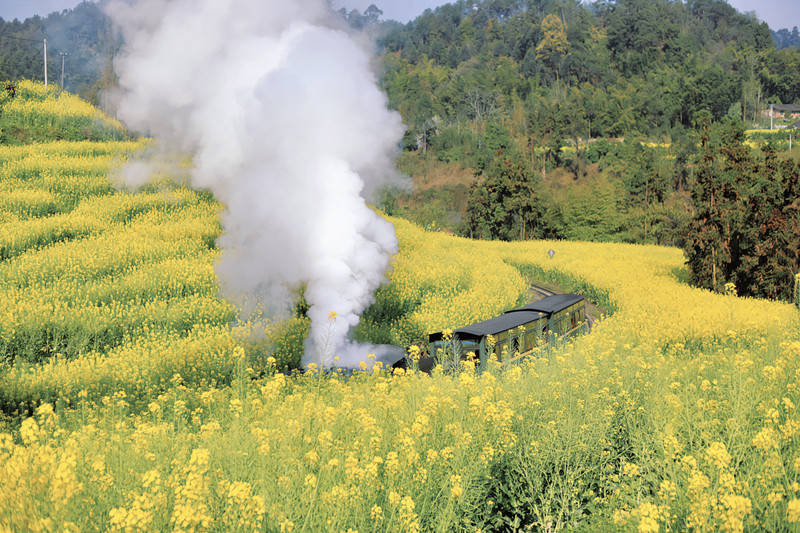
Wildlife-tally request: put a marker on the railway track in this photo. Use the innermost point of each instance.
(590, 320)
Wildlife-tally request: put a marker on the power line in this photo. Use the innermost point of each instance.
(20, 38)
(2, 35)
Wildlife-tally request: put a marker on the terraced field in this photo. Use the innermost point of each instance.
(131, 402)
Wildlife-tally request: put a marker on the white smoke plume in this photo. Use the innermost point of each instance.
(282, 114)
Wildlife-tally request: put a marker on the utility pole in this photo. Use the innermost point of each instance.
(45, 62)
(770, 115)
(62, 69)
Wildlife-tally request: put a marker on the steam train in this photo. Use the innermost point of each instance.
(510, 335)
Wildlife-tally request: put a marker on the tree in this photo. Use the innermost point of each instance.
(706, 247)
(504, 204)
(645, 185)
(638, 33)
(355, 19)
(747, 217)
(554, 45)
(576, 125)
(373, 14)
(769, 243)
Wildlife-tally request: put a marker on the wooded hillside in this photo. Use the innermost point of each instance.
(606, 69)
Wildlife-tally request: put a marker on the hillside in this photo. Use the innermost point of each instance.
(595, 106)
(544, 81)
(31, 112)
(603, 70)
(692, 37)
(80, 38)
(130, 402)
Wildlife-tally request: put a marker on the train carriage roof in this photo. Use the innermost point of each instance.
(550, 304)
(493, 326)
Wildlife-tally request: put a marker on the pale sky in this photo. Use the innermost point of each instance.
(777, 13)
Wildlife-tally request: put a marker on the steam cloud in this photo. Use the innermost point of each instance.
(288, 129)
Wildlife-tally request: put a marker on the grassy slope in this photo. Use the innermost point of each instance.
(677, 411)
(36, 113)
(664, 413)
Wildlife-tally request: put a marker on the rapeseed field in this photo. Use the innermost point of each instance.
(130, 402)
(34, 112)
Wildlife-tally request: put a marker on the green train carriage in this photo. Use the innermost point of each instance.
(517, 331)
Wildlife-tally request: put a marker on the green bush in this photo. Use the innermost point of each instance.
(385, 321)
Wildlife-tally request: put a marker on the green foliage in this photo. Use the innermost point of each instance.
(496, 140)
(284, 341)
(777, 139)
(640, 33)
(287, 342)
(643, 182)
(436, 208)
(746, 216)
(592, 213)
(384, 320)
(548, 81)
(554, 44)
(456, 145)
(638, 64)
(527, 487)
(663, 224)
(784, 38)
(505, 203)
(598, 149)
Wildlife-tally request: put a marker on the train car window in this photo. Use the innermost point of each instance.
(470, 346)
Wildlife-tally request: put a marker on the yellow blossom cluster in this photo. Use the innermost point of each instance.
(103, 289)
(130, 404)
(48, 113)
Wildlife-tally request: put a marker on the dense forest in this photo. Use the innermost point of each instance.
(702, 41)
(631, 65)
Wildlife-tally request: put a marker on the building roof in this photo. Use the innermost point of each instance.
(792, 108)
(551, 304)
(492, 326)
